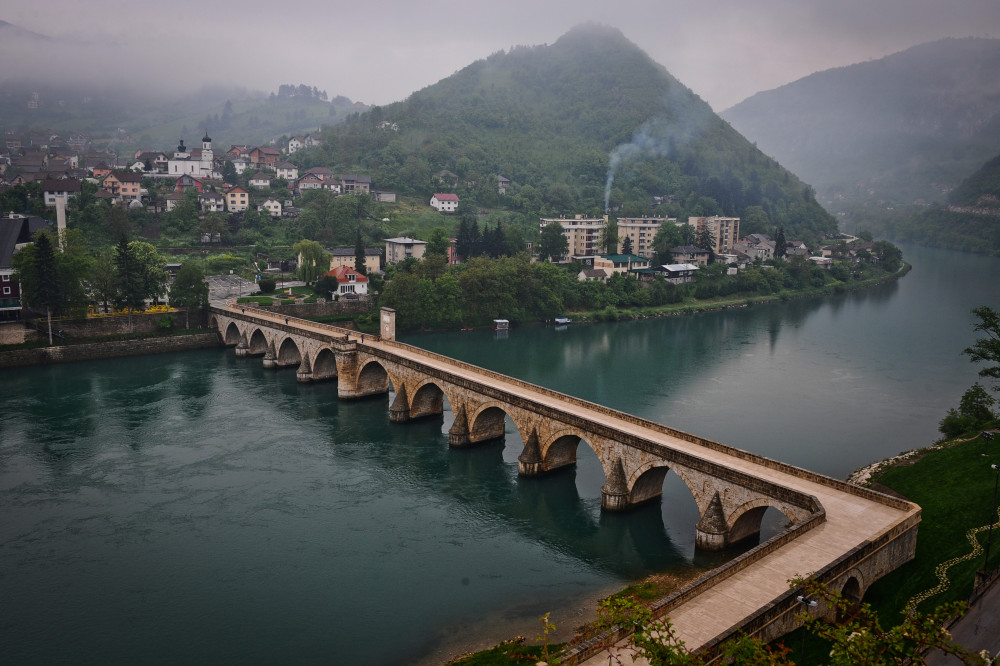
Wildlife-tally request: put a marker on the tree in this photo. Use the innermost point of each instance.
(102, 282)
(467, 239)
(609, 236)
(52, 279)
(130, 293)
(667, 237)
(627, 245)
(152, 271)
(888, 255)
(229, 174)
(35, 268)
(974, 412)
(439, 242)
(987, 349)
(780, 246)
(189, 290)
(553, 243)
(313, 261)
(359, 252)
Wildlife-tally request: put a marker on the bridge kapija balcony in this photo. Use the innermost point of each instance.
(844, 535)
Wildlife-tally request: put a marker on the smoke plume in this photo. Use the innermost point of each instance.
(685, 119)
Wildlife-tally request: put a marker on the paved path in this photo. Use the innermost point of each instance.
(851, 520)
(979, 629)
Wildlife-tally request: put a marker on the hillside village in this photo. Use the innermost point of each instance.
(228, 184)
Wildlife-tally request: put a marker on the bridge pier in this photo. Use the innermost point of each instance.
(711, 532)
(399, 411)
(614, 493)
(530, 462)
(304, 373)
(242, 348)
(458, 435)
(354, 383)
(270, 362)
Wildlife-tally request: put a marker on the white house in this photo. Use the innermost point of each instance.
(212, 202)
(286, 170)
(444, 203)
(272, 206)
(296, 143)
(349, 281)
(260, 181)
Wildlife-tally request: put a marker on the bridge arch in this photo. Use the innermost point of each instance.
(257, 343)
(427, 399)
(745, 520)
(288, 353)
(373, 378)
(324, 365)
(231, 336)
(560, 448)
(487, 422)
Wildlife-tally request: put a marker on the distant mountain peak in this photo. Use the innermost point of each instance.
(8, 29)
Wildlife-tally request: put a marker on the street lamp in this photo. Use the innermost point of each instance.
(808, 603)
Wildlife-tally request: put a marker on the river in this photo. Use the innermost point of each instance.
(195, 507)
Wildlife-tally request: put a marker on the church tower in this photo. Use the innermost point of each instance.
(207, 157)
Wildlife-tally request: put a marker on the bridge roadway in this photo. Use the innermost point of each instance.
(854, 531)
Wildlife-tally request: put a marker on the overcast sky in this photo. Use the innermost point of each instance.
(380, 51)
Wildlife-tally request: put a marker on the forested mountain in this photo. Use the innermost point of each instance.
(898, 130)
(969, 221)
(588, 118)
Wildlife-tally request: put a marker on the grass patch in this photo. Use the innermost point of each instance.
(259, 300)
(954, 487)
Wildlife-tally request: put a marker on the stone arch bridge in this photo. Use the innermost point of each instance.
(841, 534)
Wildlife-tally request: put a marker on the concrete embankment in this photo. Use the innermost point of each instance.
(107, 349)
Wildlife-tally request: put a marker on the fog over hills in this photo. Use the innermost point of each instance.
(907, 127)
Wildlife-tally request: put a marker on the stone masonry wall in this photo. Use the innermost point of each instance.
(327, 309)
(89, 351)
(91, 327)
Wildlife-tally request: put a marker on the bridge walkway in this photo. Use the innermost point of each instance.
(851, 520)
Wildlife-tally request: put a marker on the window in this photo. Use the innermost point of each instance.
(6, 291)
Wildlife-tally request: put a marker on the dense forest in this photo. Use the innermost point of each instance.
(588, 121)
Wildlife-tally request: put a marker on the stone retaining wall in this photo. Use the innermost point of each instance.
(327, 309)
(92, 327)
(95, 350)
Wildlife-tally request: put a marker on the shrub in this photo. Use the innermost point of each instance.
(267, 285)
(165, 322)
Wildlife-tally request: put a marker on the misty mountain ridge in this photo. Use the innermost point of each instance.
(570, 123)
(897, 130)
(11, 31)
(970, 220)
(146, 113)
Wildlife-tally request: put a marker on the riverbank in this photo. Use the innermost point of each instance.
(736, 301)
(27, 355)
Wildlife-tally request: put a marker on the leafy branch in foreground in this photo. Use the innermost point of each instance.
(858, 639)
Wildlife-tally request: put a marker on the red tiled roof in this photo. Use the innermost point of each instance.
(341, 273)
